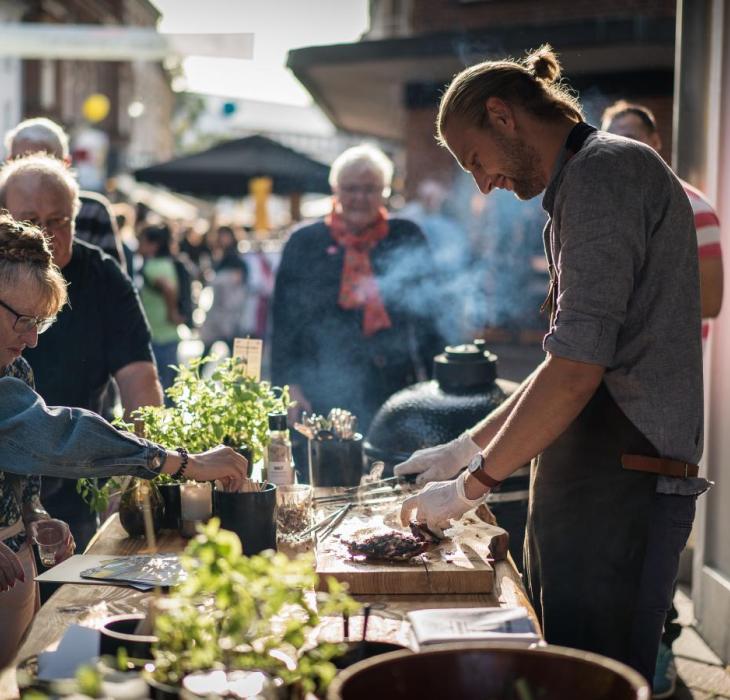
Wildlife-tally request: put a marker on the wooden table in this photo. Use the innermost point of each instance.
(90, 604)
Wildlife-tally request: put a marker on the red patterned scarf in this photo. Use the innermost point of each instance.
(359, 288)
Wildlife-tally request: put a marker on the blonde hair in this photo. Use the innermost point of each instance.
(534, 83)
(24, 251)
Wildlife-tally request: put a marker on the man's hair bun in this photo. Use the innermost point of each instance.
(543, 64)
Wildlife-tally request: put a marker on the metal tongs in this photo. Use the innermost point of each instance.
(325, 527)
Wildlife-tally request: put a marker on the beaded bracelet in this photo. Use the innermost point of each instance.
(180, 473)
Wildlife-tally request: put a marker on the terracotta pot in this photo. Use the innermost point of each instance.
(490, 670)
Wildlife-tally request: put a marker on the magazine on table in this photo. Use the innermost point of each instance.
(434, 626)
(148, 570)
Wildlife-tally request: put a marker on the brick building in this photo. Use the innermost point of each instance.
(58, 88)
(388, 84)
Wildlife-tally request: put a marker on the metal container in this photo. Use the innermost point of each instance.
(464, 390)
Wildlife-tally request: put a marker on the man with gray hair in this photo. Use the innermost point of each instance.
(102, 333)
(95, 222)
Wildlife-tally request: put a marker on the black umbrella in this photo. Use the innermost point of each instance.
(226, 169)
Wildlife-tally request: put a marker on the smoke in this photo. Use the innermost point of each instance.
(488, 256)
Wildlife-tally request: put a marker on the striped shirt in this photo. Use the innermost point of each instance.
(708, 233)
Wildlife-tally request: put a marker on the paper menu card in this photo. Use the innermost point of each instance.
(250, 351)
(434, 626)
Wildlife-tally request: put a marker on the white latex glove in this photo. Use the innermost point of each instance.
(441, 462)
(437, 503)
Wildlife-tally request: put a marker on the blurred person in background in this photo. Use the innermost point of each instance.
(637, 122)
(450, 248)
(102, 333)
(224, 320)
(194, 246)
(262, 261)
(354, 304)
(95, 222)
(159, 295)
(124, 216)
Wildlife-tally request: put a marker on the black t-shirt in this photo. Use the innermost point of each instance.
(101, 330)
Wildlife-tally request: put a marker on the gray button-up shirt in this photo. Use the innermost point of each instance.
(622, 248)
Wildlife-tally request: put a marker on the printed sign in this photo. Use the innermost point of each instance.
(250, 351)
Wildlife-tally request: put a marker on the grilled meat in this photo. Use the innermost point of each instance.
(388, 546)
(421, 532)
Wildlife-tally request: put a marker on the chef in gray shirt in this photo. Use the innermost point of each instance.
(613, 416)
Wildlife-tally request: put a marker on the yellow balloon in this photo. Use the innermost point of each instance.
(95, 107)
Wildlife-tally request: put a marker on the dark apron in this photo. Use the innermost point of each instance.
(587, 528)
(588, 522)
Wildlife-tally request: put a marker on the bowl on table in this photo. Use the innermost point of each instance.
(121, 631)
(498, 671)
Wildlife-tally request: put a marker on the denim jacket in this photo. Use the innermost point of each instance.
(67, 442)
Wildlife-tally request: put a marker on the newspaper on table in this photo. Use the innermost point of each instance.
(434, 626)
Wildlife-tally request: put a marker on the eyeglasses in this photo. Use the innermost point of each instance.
(56, 223)
(26, 324)
(367, 190)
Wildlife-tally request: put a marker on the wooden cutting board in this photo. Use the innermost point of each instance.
(460, 564)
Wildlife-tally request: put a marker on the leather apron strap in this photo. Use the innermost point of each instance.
(587, 529)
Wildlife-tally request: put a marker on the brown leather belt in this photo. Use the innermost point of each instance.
(659, 465)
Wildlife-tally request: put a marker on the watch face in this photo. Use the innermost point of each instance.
(476, 463)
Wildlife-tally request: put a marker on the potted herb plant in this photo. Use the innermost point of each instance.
(237, 613)
(226, 407)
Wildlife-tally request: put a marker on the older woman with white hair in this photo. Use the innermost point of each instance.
(353, 312)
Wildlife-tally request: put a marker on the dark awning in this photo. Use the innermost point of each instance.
(225, 169)
(365, 87)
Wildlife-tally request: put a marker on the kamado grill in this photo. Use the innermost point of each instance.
(464, 390)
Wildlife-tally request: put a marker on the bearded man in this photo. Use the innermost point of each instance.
(613, 415)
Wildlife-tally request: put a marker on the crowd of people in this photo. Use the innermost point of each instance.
(354, 307)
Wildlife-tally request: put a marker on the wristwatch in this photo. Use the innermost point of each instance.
(476, 469)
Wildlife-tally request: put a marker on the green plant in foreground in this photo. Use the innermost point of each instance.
(226, 407)
(236, 612)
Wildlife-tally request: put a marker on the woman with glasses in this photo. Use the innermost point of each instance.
(354, 305)
(36, 440)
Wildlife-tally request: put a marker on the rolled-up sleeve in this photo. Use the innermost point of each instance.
(599, 247)
(67, 442)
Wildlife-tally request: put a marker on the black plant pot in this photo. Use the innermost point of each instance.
(336, 462)
(120, 631)
(251, 515)
(171, 498)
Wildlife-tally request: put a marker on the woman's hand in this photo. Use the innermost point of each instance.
(11, 570)
(67, 548)
(221, 463)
